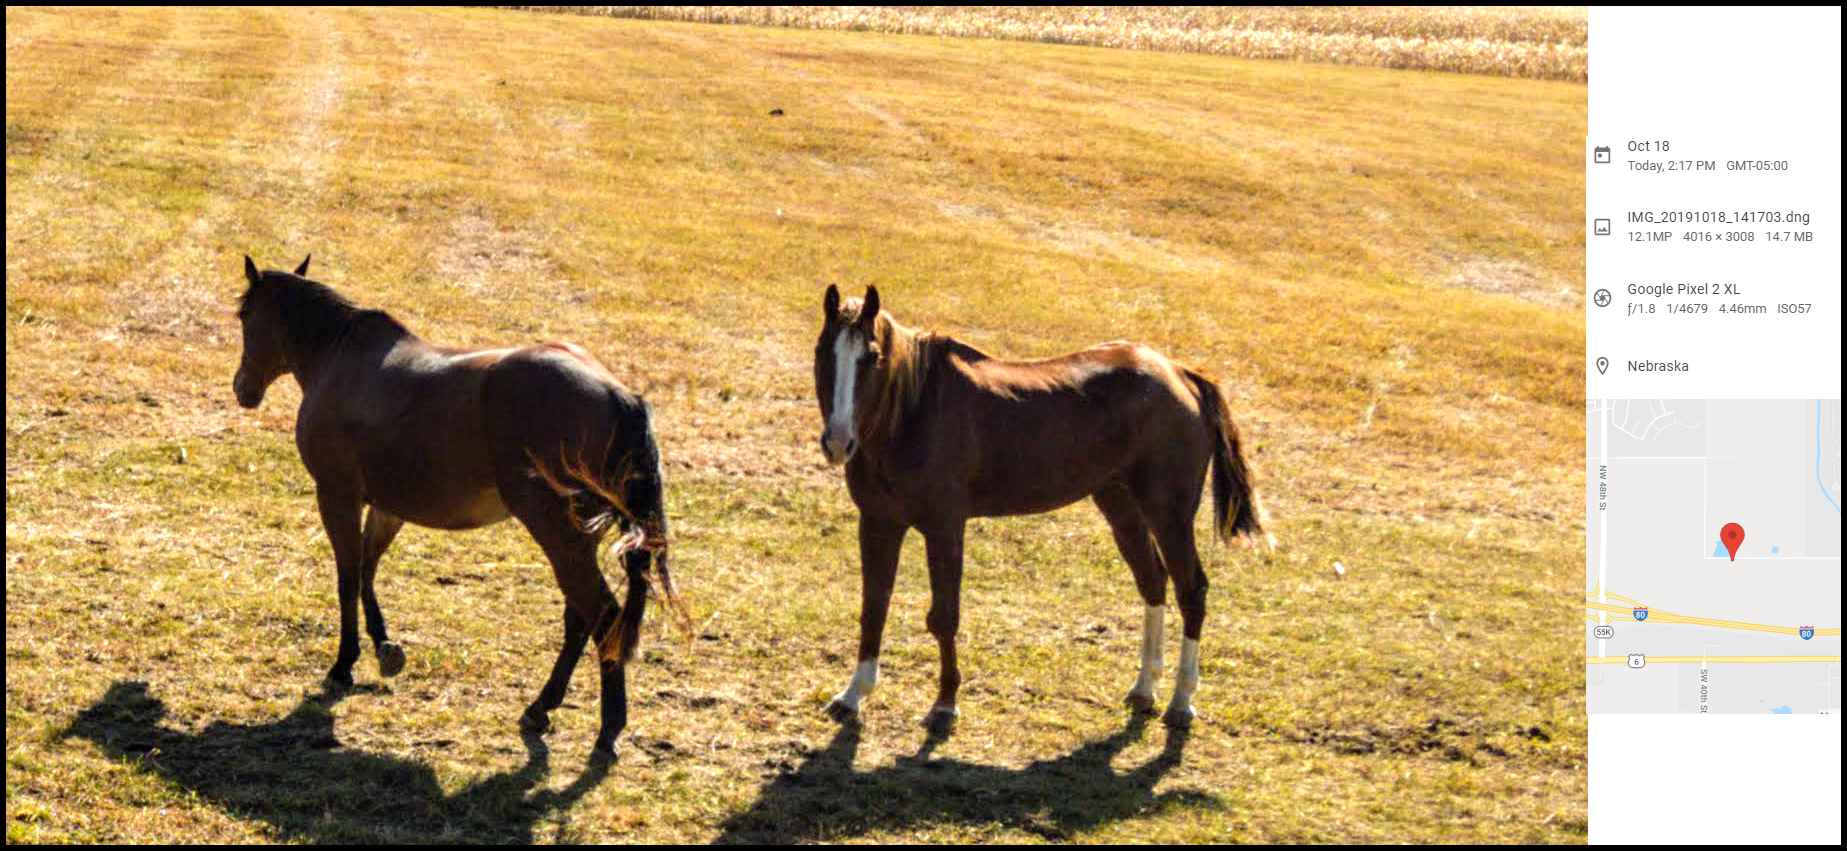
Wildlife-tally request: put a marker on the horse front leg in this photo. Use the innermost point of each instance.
(879, 545)
(381, 527)
(944, 551)
(340, 517)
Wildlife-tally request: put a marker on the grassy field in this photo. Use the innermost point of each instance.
(1539, 42)
(1385, 267)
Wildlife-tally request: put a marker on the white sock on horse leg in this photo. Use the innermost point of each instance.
(865, 680)
(1186, 679)
(1150, 676)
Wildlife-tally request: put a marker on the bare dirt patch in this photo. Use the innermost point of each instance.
(490, 261)
(1508, 277)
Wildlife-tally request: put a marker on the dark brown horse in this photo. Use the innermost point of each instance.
(405, 431)
(934, 432)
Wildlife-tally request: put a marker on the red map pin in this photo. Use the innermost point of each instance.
(1732, 536)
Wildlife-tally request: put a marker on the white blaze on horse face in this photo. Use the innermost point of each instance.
(841, 434)
(1152, 620)
(1186, 679)
(865, 679)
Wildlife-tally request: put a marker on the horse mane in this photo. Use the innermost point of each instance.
(905, 358)
(311, 316)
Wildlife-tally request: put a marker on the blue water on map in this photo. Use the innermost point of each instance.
(1718, 551)
(1783, 710)
(1774, 550)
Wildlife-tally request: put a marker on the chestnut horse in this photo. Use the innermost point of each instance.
(450, 439)
(934, 432)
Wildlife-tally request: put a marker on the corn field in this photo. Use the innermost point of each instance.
(1538, 42)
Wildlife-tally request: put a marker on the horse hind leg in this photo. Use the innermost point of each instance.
(537, 718)
(1136, 544)
(1173, 530)
(573, 556)
(380, 528)
(585, 590)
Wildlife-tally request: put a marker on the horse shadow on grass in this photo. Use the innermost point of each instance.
(293, 774)
(824, 799)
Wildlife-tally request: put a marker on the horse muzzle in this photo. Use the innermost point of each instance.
(245, 396)
(838, 449)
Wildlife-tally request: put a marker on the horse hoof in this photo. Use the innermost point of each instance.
(1178, 717)
(842, 713)
(338, 682)
(941, 720)
(1142, 704)
(390, 659)
(535, 720)
(604, 754)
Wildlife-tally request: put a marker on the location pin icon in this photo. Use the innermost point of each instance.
(1602, 364)
(1732, 536)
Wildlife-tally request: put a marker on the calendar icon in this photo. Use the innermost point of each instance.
(1601, 153)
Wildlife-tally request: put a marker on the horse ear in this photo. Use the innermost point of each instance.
(869, 310)
(830, 303)
(250, 270)
(302, 270)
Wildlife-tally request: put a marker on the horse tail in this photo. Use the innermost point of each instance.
(644, 542)
(1235, 509)
(627, 492)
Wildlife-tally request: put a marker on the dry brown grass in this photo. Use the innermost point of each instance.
(1365, 256)
(1539, 42)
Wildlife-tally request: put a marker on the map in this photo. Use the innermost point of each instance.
(1714, 556)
